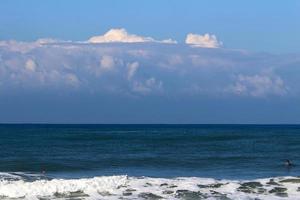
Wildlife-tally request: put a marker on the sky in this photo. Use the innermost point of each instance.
(271, 26)
(134, 61)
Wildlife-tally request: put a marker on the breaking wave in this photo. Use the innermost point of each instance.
(35, 186)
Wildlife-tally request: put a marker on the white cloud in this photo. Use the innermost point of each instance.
(259, 85)
(48, 41)
(25, 47)
(206, 41)
(30, 65)
(168, 41)
(121, 35)
(147, 69)
(171, 61)
(107, 63)
(132, 68)
(15, 46)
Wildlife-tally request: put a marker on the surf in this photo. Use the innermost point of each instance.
(38, 186)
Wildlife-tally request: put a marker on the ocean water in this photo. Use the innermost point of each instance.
(149, 161)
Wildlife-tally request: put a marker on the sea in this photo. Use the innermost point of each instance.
(48, 161)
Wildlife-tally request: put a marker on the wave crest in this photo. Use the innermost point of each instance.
(17, 185)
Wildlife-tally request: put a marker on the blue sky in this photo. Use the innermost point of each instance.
(149, 61)
(271, 26)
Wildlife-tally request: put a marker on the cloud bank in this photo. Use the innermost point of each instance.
(145, 69)
(142, 81)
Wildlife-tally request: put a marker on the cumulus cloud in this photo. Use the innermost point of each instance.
(132, 68)
(15, 46)
(121, 35)
(206, 40)
(259, 85)
(157, 81)
(107, 62)
(25, 47)
(30, 65)
(146, 69)
(171, 61)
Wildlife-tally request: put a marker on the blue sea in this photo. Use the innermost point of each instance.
(40, 161)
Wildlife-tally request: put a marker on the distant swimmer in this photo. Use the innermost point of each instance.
(288, 163)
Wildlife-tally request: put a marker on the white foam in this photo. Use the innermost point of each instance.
(114, 187)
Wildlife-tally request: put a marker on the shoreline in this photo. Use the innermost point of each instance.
(115, 187)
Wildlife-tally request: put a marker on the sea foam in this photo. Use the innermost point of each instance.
(115, 187)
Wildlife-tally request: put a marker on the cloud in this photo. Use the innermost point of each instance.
(81, 82)
(259, 85)
(30, 65)
(24, 47)
(206, 41)
(132, 68)
(147, 86)
(15, 46)
(107, 63)
(146, 69)
(121, 35)
(49, 41)
(167, 41)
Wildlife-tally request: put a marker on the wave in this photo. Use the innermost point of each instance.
(33, 186)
